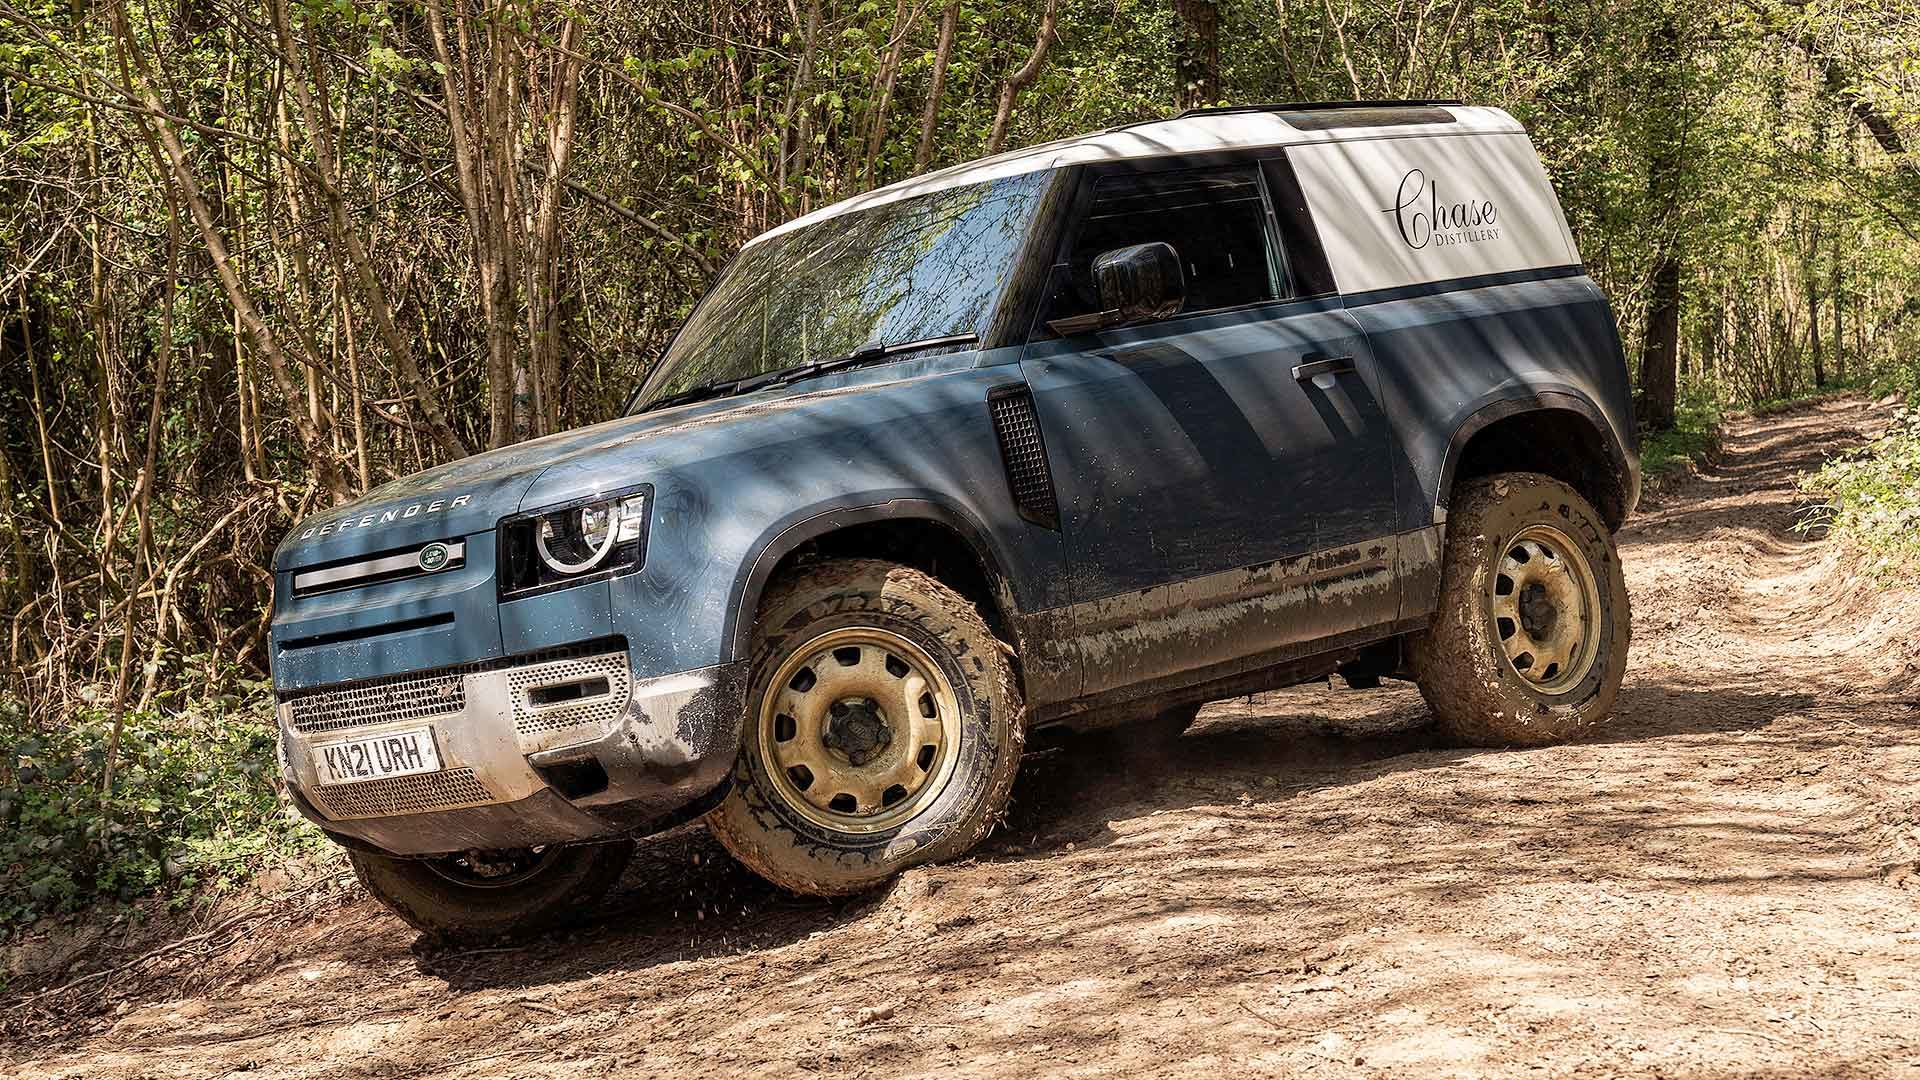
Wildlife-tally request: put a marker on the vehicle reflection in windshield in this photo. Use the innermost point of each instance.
(918, 269)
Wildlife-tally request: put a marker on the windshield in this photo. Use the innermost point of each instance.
(915, 270)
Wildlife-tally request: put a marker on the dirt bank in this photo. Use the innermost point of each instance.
(1723, 884)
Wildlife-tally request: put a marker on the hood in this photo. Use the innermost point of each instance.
(470, 494)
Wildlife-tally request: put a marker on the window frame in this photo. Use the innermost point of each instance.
(1305, 274)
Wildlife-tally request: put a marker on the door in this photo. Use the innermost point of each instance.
(1224, 475)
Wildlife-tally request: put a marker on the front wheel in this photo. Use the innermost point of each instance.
(482, 895)
(884, 729)
(1529, 642)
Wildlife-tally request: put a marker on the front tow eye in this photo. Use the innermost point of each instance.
(856, 728)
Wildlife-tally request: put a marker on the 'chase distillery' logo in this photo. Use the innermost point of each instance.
(1426, 218)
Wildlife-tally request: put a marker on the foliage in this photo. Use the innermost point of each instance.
(1694, 437)
(1872, 496)
(1901, 378)
(195, 804)
(258, 258)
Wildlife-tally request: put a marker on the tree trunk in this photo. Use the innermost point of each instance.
(903, 20)
(1022, 78)
(942, 54)
(1196, 55)
(474, 136)
(316, 111)
(174, 163)
(800, 111)
(1660, 352)
(544, 326)
(1810, 273)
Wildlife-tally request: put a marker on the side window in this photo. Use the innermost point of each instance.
(1306, 258)
(1215, 218)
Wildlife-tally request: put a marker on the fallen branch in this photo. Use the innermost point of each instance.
(170, 947)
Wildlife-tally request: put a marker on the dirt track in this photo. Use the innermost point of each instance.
(1722, 885)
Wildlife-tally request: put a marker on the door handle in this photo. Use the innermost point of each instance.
(1323, 371)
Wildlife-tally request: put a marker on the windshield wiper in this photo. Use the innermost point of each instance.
(717, 388)
(865, 354)
(869, 353)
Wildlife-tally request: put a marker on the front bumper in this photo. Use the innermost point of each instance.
(561, 746)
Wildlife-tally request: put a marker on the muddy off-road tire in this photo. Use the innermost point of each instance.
(474, 898)
(1529, 641)
(883, 730)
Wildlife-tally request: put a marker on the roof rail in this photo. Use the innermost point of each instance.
(1315, 106)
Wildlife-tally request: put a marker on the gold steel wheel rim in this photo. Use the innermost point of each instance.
(858, 730)
(1545, 605)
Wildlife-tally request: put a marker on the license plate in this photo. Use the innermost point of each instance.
(376, 757)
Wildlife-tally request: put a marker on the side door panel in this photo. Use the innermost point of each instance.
(1188, 448)
(1215, 506)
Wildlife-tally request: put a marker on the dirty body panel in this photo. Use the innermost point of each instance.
(1246, 492)
(727, 484)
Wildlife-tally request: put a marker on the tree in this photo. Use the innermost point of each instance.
(1196, 58)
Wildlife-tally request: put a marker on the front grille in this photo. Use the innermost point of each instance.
(409, 698)
(391, 565)
(1025, 455)
(596, 710)
(397, 795)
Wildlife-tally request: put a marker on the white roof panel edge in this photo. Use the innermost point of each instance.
(1155, 138)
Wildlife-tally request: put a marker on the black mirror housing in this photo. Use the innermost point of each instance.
(1140, 283)
(1136, 284)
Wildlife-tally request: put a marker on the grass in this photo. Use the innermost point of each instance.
(1694, 438)
(1871, 497)
(1826, 390)
(193, 806)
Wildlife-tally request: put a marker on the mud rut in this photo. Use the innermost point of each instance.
(1723, 884)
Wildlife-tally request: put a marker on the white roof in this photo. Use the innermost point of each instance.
(1158, 138)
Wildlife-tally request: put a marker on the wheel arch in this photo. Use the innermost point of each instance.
(1562, 435)
(930, 536)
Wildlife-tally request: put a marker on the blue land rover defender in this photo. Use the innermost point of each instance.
(1080, 436)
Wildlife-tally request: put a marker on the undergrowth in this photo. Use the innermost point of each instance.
(193, 805)
(1695, 436)
(1832, 387)
(1871, 497)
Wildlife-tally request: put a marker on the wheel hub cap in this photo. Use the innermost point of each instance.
(1537, 612)
(858, 729)
(1545, 607)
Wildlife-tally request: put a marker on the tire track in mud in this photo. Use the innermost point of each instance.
(1713, 886)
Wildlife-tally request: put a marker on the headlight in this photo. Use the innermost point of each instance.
(579, 541)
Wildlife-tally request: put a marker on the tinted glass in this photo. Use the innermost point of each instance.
(1215, 218)
(914, 270)
(1306, 260)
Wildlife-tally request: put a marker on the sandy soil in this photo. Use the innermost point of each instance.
(1723, 884)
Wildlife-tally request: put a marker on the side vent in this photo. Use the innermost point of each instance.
(1025, 455)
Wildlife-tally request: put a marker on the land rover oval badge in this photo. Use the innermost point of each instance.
(433, 557)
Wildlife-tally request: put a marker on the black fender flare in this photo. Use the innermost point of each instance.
(808, 525)
(1624, 462)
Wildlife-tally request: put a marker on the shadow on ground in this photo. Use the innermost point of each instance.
(686, 899)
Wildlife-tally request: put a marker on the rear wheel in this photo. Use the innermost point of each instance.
(884, 730)
(1529, 643)
(482, 895)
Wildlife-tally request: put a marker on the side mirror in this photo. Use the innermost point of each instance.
(1136, 284)
(1141, 283)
